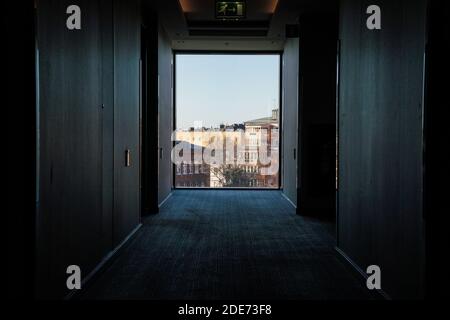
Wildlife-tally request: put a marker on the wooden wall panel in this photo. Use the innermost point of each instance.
(107, 120)
(88, 110)
(380, 154)
(165, 109)
(149, 141)
(290, 125)
(70, 116)
(126, 117)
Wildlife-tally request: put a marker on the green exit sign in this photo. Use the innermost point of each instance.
(230, 9)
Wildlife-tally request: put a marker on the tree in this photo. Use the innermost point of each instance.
(233, 176)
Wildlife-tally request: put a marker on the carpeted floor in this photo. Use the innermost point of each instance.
(214, 244)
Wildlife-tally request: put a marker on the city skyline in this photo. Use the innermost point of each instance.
(237, 125)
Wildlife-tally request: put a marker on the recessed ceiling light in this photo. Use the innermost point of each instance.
(185, 5)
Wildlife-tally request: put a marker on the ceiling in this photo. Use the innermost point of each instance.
(192, 24)
(204, 9)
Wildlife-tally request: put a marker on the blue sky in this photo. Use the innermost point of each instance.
(216, 89)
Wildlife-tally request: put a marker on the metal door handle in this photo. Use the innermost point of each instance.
(127, 158)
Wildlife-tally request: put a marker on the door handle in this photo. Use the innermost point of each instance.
(127, 158)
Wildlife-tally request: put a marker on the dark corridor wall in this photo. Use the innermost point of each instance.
(88, 111)
(127, 51)
(19, 44)
(290, 115)
(436, 156)
(165, 117)
(380, 142)
(317, 113)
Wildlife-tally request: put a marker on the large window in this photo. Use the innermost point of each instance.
(227, 117)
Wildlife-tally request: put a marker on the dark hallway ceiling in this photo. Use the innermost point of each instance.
(201, 20)
(191, 24)
(204, 9)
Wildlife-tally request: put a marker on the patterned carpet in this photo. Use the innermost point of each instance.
(214, 244)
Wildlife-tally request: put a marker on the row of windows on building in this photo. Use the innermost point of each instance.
(251, 169)
(196, 184)
(192, 184)
(191, 168)
(251, 157)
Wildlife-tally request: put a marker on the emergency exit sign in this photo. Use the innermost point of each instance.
(230, 9)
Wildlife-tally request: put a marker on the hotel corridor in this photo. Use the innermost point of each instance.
(227, 150)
